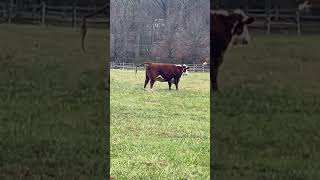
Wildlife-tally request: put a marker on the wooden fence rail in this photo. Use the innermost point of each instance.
(279, 18)
(132, 66)
(43, 13)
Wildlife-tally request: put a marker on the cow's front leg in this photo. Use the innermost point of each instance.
(176, 83)
(151, 84)
(214, 77)
(214, 73)
(146, 82)
(169, 83)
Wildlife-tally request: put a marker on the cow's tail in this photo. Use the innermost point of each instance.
(84, 23)
(139, 65)
(83, 33)
(136, 70)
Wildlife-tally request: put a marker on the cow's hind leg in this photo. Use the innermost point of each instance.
(169, 83)
(146, 81)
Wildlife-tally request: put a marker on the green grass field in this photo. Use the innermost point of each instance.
(162, 134)
(267, 115)
(52, 122)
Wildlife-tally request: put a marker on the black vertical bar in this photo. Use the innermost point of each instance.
(214, 4)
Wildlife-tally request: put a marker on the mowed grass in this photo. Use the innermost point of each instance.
(162, 134)
(52, 100)
(267, 115)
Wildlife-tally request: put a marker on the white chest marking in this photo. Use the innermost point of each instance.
(161, 79)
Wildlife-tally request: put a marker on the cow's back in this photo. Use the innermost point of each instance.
(167, 71)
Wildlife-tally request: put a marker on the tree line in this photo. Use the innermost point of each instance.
(174, 31)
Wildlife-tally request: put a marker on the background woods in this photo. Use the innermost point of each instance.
(175, 31)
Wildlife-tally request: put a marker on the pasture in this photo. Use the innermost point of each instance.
(52, 120)
(162, 134)
(267, 115)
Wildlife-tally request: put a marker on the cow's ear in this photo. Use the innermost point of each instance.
(249, 20)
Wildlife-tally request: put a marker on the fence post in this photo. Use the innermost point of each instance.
(194, 70)
(74, 15)
(123, 65)
(34, 11)
(298, 22)
(277, 14)
(267, 5)
(268, 13)
(43, 4)
(3, 11)
(10, 11)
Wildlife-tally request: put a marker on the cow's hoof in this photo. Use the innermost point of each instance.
(214, 88)
(216, 91)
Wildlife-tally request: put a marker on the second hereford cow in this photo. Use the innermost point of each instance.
(226, 29)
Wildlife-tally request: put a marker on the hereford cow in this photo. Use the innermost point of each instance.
(163, 72)
(226, 29)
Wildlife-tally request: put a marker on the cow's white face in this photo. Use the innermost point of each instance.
(243, 38)
(239, 30)
(185, 69)
(240, 33)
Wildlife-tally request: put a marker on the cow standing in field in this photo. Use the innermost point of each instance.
(226, 29)
(163, 72)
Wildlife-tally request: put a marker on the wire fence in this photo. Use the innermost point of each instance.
(132, 66)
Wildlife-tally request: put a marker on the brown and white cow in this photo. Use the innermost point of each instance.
(163, 72)
(226, 29)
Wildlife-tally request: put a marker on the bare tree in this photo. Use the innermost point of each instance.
(122, 26)
(197, 32)
(163, 5)
(170, 30)
(183, 8)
